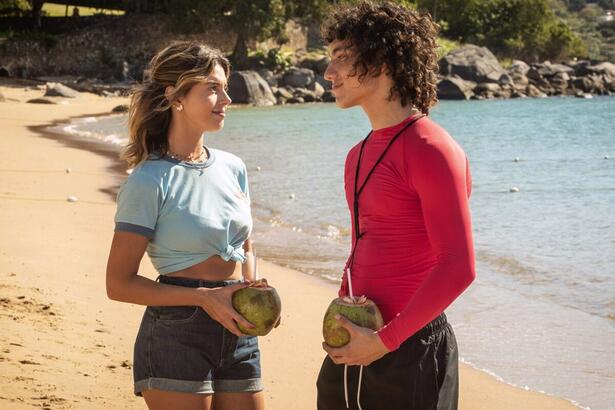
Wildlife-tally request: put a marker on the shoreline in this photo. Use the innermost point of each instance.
(478, 389)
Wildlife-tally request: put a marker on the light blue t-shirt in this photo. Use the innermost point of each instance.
(190, 212)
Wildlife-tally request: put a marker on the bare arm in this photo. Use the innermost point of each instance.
(247, 268)
(126, 285)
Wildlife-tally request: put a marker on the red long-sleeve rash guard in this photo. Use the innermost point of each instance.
(416, 254)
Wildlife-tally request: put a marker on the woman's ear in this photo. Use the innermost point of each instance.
(169, 91)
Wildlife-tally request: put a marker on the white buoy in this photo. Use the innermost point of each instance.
(68, 170)
(514, 189)
(517, 159)
(291, 196)
(606, 157)
(258, 168)
(72, 199)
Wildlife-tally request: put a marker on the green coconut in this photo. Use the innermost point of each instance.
(260, 305)
(359, 310)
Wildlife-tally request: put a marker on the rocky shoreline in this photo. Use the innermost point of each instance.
(468, 72)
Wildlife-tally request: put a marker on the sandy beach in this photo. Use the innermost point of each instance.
(63, 344)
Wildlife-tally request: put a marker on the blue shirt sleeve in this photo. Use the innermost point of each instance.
(138, 203)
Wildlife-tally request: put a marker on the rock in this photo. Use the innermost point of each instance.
(455, 88)
(298, 77)
(328, 96)
(295, 100)
(306, 95)
(472, 63)
(120, 108)
(559, 81)
(583, 95)
(506, 79)
(533, 91)
(4, 72)
(60, 90)
(40, 101)
(317, 89)
(247, 87)
(320, 79)
(487, 90)
(268, 76)
(284, 93)
(601, 68)
(72, 199)
(518, 67)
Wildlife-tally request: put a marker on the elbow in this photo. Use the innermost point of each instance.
(112, 292)
(113, 289)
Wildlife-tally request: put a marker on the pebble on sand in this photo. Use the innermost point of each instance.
(291, 196)
(258, 168)
(514, 189)
(72, 199)
(68, 170)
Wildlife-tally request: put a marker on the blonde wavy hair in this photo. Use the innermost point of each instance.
(180, 65)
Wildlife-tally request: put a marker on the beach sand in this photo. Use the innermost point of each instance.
(63, 344)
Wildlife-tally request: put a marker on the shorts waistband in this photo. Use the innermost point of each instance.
(431, 328)
(195, 283)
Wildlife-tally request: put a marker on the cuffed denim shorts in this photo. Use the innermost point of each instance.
(422, 374)
(182, 349)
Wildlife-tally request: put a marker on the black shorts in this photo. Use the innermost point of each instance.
(422, 374)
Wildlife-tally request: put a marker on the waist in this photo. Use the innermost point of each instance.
(213, 268)
(431, 328)
(195, 283)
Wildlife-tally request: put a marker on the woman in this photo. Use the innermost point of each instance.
(187, 206)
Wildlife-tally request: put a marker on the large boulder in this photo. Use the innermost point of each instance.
(487, 90)
(268, 76)
(472, 63)
(60, 90)
(247, 87)
(518, 73)
(298, 77)
(455, 88)
(320, 79)
(317, 89)
(601, 68)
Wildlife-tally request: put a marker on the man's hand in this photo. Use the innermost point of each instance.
(364, 347)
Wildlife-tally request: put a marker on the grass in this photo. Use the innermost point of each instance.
(59, 10)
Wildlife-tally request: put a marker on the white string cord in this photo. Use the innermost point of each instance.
(349, 277)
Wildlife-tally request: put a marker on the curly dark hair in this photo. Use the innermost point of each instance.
(396, 37)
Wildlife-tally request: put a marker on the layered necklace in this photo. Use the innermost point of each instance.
(193, 158)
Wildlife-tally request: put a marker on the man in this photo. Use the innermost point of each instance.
(407, 186)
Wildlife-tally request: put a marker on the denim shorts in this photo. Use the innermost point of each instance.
(182, 349)
(421, 375)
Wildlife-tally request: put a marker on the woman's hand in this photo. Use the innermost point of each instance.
(364, 347)
(217, 303)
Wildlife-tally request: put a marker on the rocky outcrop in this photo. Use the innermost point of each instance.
(472, 63)
(247, 87)
(474, 72)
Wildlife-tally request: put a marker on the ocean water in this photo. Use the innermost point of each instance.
(541, 314)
